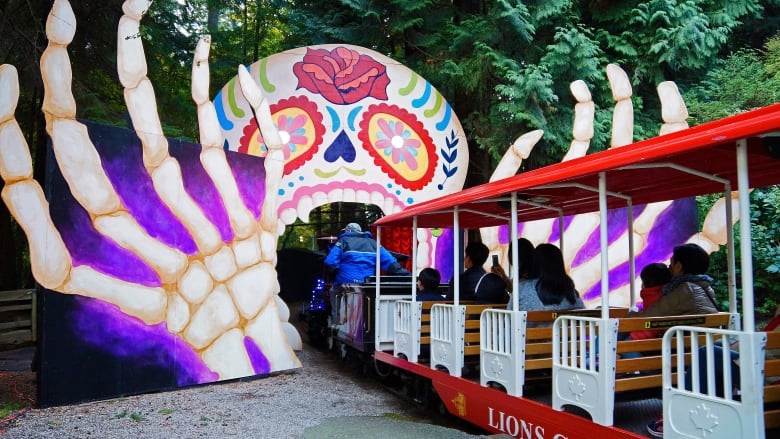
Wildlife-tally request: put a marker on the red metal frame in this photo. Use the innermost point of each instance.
(498, 412)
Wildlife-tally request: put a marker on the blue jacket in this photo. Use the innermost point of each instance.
(354, 258)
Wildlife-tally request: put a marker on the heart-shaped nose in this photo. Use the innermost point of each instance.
(341, 147)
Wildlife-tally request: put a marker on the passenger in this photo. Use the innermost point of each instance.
(525, 251)
(689, 290)
(428, 285)
(475, 283)
(656, 428)
(550, 288)
(654, 276)
(353, 257)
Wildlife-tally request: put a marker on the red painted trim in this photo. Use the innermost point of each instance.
(497, 412)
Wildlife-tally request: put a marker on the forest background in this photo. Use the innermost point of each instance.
(503, 65)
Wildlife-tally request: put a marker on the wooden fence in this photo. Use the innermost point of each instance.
(17, 317)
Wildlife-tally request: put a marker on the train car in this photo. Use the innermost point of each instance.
(564, 375)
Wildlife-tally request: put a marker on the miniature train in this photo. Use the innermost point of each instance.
(485, 363)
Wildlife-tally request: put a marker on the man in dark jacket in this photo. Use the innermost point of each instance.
(475, 283)
(353, 257)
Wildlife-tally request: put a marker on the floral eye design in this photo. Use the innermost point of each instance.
(342, 76)
(399, 144)
(300, 128)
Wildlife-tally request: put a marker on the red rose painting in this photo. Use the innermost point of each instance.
(342, 76)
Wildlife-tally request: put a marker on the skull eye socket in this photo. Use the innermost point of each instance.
(399, 144)
(300, 129)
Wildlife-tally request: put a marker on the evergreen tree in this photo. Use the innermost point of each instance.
(506, 65)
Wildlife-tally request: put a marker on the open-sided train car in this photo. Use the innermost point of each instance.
(483, 361)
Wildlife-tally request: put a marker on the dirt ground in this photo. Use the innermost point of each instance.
(18, 389)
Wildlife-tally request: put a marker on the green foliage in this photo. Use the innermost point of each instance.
(505, 66)
(8, 408)
(765, 240)
(741, 82)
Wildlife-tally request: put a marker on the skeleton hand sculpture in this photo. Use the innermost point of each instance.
(586, 270)
(214, 294)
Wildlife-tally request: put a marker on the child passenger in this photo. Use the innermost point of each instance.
(654, 276)
(428, 285)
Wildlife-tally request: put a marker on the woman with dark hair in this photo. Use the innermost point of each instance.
(525, 251)
(550, 287)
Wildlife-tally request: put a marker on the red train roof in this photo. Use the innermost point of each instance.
(639, 171)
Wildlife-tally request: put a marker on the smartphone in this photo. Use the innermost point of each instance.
(495, 261)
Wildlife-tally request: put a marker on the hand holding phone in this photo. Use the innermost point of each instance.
(495, 261)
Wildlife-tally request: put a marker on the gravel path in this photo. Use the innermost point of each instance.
(305, 403)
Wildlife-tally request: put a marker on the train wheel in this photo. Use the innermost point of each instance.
(441, 409)
(382, 370)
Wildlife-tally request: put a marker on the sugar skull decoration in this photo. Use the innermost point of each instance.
(355, 125)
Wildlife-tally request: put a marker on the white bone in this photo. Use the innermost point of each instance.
(221, 265)
(208, 125)
(622, 124)
(241, 219)
(580, 91)
(61, 23)
(247, 251)
(125, 230)
(15, 160)
(81, 167)
(49, 258)
(9, 89)
(196, 283)
(200, 70)
(519, 150)
(146, 303)
(136, 9)
(227, 356)
(582, 128)
(168, 184)
(673, 109)
(251, 289)
(214, 317)
(619, 83)
(146, 123)
(58, 100)
(130, 57)
(178, 314)
(276, 349)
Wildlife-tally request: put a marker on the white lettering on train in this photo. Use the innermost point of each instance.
(519, 428)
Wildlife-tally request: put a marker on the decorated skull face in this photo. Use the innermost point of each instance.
(356, 127)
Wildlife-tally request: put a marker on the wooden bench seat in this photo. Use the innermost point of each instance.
(455, 335)
(772, 381)
(622, 365)
(538, 336)
(644, 371)
(471, 338)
